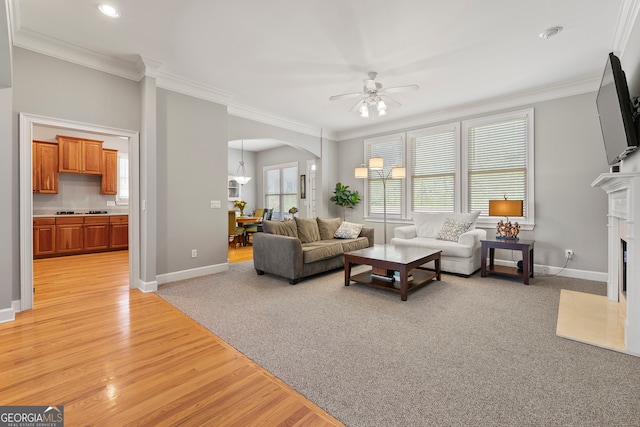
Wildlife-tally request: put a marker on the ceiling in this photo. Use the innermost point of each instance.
(283, 59)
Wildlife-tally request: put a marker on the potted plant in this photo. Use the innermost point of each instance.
(345, 198)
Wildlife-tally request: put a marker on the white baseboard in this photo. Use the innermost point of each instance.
(8, 314)
(147, 286)
(547, 270)
(161, 279)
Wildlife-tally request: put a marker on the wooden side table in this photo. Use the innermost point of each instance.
(525, 246)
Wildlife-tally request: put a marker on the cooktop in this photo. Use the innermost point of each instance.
(82, 213)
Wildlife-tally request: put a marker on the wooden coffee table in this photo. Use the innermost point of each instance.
(391, 258)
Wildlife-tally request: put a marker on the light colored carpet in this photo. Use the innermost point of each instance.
(460, 352)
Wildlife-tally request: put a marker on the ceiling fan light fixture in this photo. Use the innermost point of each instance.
(381, 106)
(364, 111)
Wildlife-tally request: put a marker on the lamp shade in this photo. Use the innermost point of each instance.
(242, 180)
(376, 163)
(505, 208)
(398, 173)
(362, 172)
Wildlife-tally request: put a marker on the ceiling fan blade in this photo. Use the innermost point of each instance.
(401, 88)
(357, 106)
(390, 101)
(345, 96)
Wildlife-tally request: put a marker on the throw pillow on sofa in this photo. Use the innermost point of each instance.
(281, 228)
(348, 230)
(328, 227)
(452, 229)
(307, 230)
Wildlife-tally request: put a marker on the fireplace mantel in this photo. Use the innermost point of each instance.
(623, 191)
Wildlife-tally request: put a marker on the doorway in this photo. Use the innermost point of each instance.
(27, 123)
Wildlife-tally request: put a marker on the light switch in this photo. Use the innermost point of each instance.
(215, 204)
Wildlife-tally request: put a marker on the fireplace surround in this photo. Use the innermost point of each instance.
(623, 192)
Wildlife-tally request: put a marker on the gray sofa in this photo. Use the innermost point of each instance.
(303, 247)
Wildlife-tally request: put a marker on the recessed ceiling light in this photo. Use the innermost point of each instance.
(550, 32)
(110, 11)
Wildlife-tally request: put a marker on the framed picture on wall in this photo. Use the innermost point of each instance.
(303, 186)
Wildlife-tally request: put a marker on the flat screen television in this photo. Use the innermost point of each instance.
(616, 112)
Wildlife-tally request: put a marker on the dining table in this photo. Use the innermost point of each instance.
(242, 220)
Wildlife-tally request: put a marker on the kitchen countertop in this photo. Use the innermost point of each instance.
(53, 215)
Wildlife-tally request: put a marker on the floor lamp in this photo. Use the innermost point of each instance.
(376, 164)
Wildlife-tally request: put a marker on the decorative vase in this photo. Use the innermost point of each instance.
(241, 212)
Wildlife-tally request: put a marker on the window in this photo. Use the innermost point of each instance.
(281, 188)
(122, 198)
(457, 167)
(391, 150)
(499, 161)
(434, 165)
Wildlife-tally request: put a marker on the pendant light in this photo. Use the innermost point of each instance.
(242, 179)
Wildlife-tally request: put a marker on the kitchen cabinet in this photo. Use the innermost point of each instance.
(96, 233)
(119, 231)
(45, 167)
(44, 236)
(78, 155)
(109, 183)
(69, 234)
(76, 234)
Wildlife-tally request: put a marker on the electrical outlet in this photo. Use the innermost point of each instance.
(194, 253)
(568, 253)
(111, 203)
(545, 271)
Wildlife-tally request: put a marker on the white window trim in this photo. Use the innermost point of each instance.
(490, 222)
(461, 178)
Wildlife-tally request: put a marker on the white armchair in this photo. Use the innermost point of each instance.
(453, 233)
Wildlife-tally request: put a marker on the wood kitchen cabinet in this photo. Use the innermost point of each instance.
(45, 167)
(119, 231)
(109, 183)
(44, 236)
(69, 234)
(96, 233)
(79, 155)
(76, 234)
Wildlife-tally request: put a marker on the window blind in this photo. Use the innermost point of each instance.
(391, 150)
(433, 169)
(497, 163)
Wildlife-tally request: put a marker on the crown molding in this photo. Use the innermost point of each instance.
(192, 88)
(518, 99)
(281, 122)
(626, 20)
(36, 42)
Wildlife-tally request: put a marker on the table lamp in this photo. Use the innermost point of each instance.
(506, 208)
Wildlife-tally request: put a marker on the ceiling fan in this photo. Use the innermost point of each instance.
(374, 96)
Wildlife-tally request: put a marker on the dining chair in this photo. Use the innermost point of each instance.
(253, 227)
(236, 234)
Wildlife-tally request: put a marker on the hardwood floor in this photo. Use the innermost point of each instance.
(114, 356)
(241, 253)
